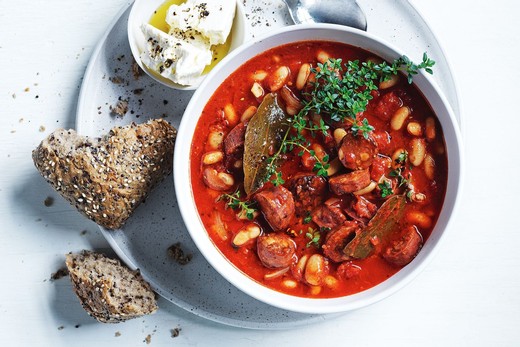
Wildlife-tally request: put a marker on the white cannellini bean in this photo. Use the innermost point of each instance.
(419, 219)
(289, 284)
(319, 151)
(417, 151)
(215, 180)
(429, 131)
(257, 90)
(303, 75)
(414, 128)
(331, 282)
(429, 166)
(212, 157)
(315, 290)
(398, 118)
(278, 78)
(392, 81)
(259, 75)
(215, 139)
(339, 134)
(316, 270)
(231, 115)
(248, 113)
(250, 232)
(322, 56)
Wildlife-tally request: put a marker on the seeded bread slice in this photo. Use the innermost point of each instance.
(107, 178)
(107, 290)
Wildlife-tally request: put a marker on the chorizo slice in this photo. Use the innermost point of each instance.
(357, 153)
(349, 182)
(308, 190)
(364, 208)
(348, 270)
(328, 216)
(402, 251)
(276, 250)
(277, 206)
(234, 144)
(337, 239)
(387, 105)
(380, 167)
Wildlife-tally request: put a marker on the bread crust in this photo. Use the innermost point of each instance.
(97, 281)
(107, 178)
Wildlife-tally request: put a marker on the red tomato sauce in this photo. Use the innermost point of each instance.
(221, 222)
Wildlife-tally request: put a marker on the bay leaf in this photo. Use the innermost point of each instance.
(264, 133)
(386, 220)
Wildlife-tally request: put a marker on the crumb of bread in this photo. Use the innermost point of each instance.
(116, 80)
(175, 332)
(49, 201)
(59, 274)
(117, 334)
(136, 70)
(176, 252)
(121, 108)
(41, 129)
(148, 339)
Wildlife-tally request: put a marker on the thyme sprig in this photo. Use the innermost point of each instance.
(340, 92)
(247, 208)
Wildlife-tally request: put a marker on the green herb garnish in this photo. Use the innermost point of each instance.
(386, 188)
(234, 202)
(340, 92)
(314, 236)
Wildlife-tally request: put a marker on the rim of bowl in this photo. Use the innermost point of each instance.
(141, 12)
(182, 175)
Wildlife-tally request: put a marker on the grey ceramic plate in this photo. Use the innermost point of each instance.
(157, 224)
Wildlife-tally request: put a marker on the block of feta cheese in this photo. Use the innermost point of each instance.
(180, 57)
(212, 19)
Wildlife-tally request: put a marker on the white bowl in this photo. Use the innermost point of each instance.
(141, 12)
(189, 210)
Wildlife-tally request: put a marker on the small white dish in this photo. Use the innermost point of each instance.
(142, 11)
(188, 209)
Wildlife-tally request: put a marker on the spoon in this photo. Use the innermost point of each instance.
(344, 12)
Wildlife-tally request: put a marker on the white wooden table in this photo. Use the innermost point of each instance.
(468, 296)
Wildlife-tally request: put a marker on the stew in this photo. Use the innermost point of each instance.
(311, 194)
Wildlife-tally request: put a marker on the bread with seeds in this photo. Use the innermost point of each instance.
(107, 290)
(107, 178)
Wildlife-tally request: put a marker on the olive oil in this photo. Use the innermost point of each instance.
(158, 20)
